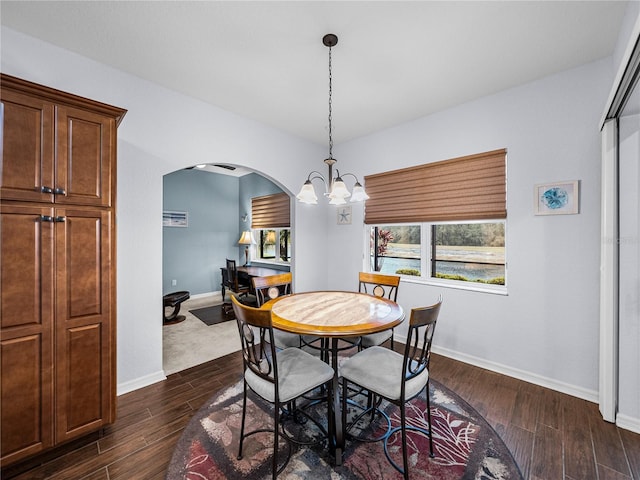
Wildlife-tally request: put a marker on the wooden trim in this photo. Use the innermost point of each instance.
(60, 97)
(465, 188)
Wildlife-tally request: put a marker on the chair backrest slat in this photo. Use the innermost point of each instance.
(422, 325)
(272, 286)
(232, 275)
(256, 337)
(379, 284)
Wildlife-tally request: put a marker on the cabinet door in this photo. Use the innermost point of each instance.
(85, 363)
(85, 146)
(26, 335)
(27, 157)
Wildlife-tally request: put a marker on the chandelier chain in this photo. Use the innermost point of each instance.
(330, 94)
(335, 188)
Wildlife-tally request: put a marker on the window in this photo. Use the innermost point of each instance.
(471, 252)
(270, 249)
(270, 221)
(396, 249)
(448, 225)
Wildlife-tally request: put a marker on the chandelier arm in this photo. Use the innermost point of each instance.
(350, 175)
(319, 176)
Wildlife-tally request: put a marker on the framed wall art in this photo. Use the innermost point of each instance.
(175, 219)
(558, 198)
(344, 215)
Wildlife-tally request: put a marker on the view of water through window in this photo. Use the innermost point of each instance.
(465, 252)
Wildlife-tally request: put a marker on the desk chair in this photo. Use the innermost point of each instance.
(397, 378)
(231, 281)
(279, 377)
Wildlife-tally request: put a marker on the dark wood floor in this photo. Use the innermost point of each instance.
(552, 436)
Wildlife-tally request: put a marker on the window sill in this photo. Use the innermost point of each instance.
(270, 263)
(470, 286)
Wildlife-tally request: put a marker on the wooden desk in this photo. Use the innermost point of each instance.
(245, 274)
(334, 315)
(251, 271)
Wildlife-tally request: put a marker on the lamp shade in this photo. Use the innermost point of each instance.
(246, 238)
(339, 189)
(307, 194)
(359, 195)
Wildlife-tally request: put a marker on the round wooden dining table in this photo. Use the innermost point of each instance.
(333, 315)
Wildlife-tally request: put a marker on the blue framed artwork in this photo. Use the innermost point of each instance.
(558, 198)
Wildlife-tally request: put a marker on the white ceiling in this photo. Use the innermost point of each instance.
(395, 61)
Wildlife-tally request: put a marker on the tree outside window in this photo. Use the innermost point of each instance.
(274, 244)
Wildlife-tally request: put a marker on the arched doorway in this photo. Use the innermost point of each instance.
(214, 204)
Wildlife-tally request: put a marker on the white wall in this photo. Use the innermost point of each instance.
(164, 131)
(629, 23)
(546, 328)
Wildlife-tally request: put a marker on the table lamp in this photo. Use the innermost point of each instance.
(246, 239)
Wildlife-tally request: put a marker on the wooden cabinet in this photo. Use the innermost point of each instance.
(57, 270)
(55, 153)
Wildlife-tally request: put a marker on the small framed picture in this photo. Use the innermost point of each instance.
(558, 198)
(344, 215)
(175, 219)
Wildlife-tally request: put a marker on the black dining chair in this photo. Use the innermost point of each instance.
(277, 376)
(396, 377)
(232, 282)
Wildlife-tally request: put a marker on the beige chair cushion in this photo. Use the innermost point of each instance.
(298, 373)
(379, 370)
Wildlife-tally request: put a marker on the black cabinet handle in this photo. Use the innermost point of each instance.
(44, 189)
(59, 191)
(46, 218)
(60, 219)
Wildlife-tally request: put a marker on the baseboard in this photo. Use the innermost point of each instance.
(141, 382)
(217, 295)
(573, 390)
(628, 423)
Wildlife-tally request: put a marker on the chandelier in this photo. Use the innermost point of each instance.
(336, 189)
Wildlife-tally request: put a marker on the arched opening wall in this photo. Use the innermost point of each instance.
(164, 131)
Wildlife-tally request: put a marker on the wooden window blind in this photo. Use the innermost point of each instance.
(270, 211)
(466, 188)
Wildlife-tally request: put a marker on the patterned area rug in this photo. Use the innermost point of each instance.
(465, 445)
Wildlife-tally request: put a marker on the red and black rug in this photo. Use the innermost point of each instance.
(465, 445)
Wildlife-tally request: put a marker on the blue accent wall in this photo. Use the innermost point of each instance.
(215, 204)
(254, 185)
(193, 255)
